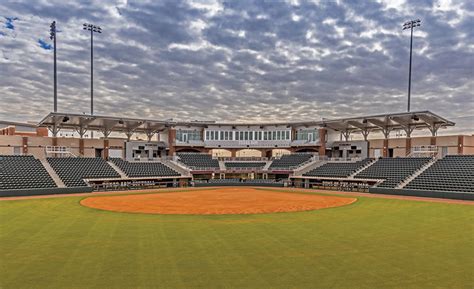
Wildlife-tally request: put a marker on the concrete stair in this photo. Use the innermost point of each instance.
(222, 166)
(267, 165)
(53, 174)
(361, 169)
(309, 167)
(416, 174)
(118, 170)
(184, 171)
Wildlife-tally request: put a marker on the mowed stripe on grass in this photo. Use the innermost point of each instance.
(373, 243)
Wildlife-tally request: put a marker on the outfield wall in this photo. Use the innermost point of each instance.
(422, 193)
(43, 191)
(238, 185)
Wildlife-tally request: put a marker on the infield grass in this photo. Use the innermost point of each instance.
(373, 243)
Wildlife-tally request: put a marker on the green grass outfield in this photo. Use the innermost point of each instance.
(373, 243)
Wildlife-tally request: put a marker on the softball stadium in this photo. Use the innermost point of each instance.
(149, 203)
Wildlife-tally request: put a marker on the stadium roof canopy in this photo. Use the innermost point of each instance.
(385, 123)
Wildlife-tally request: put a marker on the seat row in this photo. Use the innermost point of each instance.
(23, 172)
(290, 161)
(339, 169)
(144, 169)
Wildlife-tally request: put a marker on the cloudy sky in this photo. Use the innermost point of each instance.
(238, 60)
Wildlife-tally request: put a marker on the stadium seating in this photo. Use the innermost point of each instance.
(144, 169)
(392, 170)
(198, 160)
(72, 171)
(290, 161)
(451, 173)
(23, 172)
(244, 165)
(340, 169)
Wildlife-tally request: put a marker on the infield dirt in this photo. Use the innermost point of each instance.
(216, 202)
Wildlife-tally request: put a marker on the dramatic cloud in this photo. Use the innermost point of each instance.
(246, 60)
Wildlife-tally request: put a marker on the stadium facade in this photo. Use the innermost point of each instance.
(398, 153)
(364, 136)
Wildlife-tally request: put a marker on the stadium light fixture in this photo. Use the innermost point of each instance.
(52, 36)
(410, 25)
(93, 29)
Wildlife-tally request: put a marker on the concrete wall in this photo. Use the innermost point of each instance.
(8, 143)
(468, 145)
(456, 144)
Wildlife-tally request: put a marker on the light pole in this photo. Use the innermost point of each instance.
(92, 28)
(52, 36)
(410, 25)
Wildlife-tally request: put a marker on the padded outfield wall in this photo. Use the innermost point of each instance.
(423, 193)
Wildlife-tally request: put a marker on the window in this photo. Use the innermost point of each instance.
(207, 135)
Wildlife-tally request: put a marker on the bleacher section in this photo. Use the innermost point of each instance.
(452, 173)
(72, 171)
(393, 170)
(198, 161)
(337, 170)
(244, 165)
(23, 172)
(144, 169)
(290, 161)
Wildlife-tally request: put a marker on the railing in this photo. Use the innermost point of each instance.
(428, 150)
(244, 168)
(191, 142)
(247, 143)
(304, 142)
(243, 159)
(63, 150)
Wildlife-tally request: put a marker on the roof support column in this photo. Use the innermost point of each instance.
(408, 130)
(106, 133)
(24, 145)
(460, 144)
(150, 134)
(129, 134)
(172, 141)
(346, 134)
(81, 131)
(434, 128)
(365, 133)
(106, 148)
(386, 133)
(385, 148)
(322, 141)
(407, 146)
(81, 146)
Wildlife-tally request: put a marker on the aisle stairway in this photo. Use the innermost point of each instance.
(53, 174)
